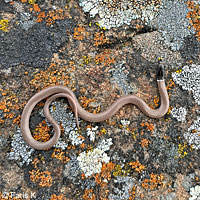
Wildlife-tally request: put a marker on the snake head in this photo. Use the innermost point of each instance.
(160, 73)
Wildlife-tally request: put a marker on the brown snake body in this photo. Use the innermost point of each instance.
(62, 91)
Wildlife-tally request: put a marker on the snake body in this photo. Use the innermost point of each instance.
(63, 91)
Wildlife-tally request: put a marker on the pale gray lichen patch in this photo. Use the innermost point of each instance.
(120, 77)
(116, 13)
(72, 169)
(172, 22)
(189, 79)
(193, 134)
(20, 151)
(125, 184)
(26, 21)
(105, 144)
(60, 113)
(179, 113)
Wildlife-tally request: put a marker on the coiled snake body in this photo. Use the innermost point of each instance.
(62, 91)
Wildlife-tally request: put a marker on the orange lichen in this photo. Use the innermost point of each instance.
(156, 101)
(23, 1)
(89, 148)
(40, 17)
(50, 17)
(41, 132)
(58, 197)
(132, 193)
(145, 142)
(9, 115)
(89, 195)
(103, 178)
(54, 15)
(60, 155)
(82, 176)
(105, 174)
(80, 32)
(82, 145)
(148, 126)
(36, 8)
(53, 75)
(153, 182)
(35, 162)
(170, 85)
(9, 104)
(137, 166)
(85, 103)
(43, 179)
(139, 27)
(194, 16)
(99, 39)
(105, 58)
(110, 122)
(71, 147)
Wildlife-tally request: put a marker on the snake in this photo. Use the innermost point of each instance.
(57, 91)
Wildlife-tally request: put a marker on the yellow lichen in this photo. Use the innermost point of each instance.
(32, 2)
(119, 171)
(4, 25)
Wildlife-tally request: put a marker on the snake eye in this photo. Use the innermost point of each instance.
(160, 73)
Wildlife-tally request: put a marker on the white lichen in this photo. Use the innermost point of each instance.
(193, 134)
(91, 133)
(75, 139)
(20, 151)
(189, 79)
(105, 144)
(61, 144)
(179, 113)
(125, 123)
(195, 193)
(91, 162)
(120, 77)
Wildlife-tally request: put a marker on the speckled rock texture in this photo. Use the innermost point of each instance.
(101, 50)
